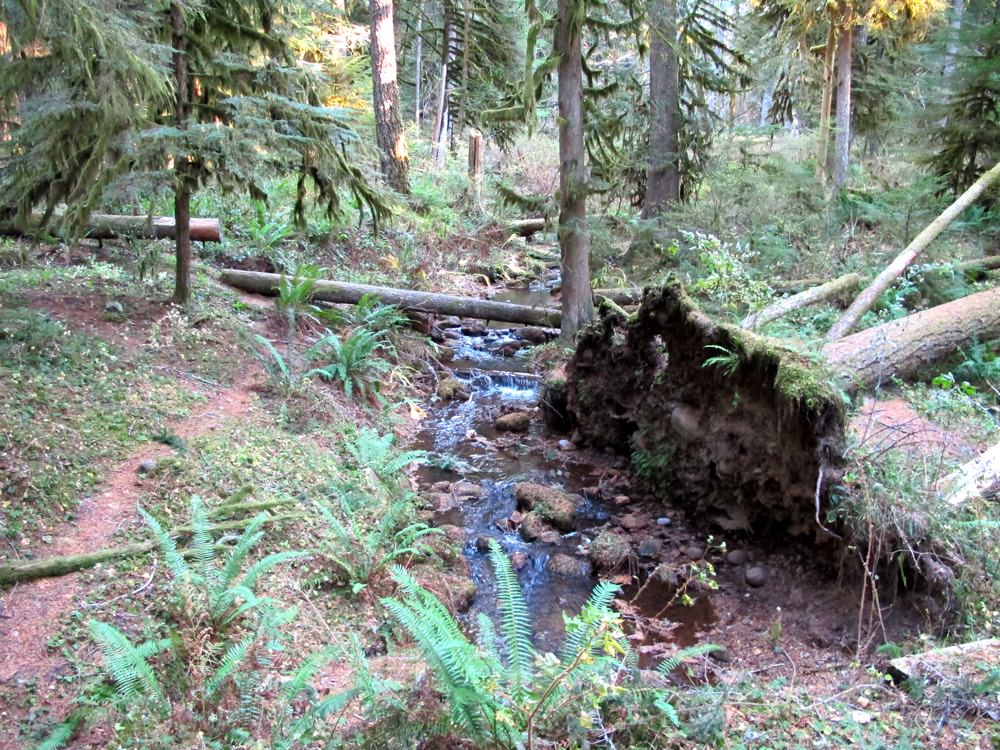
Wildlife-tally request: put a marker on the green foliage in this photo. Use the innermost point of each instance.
(375, 451)
(499, 689)
(352, 360)
(727, 361)
(725, 272)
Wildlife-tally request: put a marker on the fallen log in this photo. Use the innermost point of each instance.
(619, 296)
(113, 227)
(17, 572)
(405, 299)
(830, 290)
(904, 347)
(901, 262)
(966, 662)
(974, 270)
(526, 227)
(978, 478)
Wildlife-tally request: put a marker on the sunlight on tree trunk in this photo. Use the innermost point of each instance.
(182, 190)
(439, 148)
(574, 240)
(393, 157)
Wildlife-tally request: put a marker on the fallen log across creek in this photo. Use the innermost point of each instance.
(405, 299)
(113, 227)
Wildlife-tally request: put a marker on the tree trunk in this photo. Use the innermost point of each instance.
(393, 158)
(418, 53)
(574, 239)
(182, 188)
(826, 107)
(867, 298)
(113, 227)
(845, 56)
(663, 169)
(405, 299)
(439, 149)
(955, 28)
(463, 101)
(831, 290)
(902, 348)
(476, 156)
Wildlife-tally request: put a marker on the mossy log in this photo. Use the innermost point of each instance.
(405, 299)
(113, 227)
(813, 296)
(49, 567)
(526, 227)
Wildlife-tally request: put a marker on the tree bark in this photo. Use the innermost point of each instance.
(845, 56)
(405, 299)
(182, 188)
(904, 347)
(418, 53)
(574, 239)
(476, 157)
(663, 169)
(955, 28)
(113, 227)
(867, 298)
(978, 478)
(830, 290)
(439, 148)
(393, 158)
(826, 107)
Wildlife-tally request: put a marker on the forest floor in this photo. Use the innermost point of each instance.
(106, 410)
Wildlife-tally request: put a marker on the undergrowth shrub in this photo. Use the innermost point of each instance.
(212, 680)
(499, 691)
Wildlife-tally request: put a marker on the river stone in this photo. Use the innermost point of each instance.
(474, 328)
(663, 521)
(534, 528)
(450, 388)
(566, 565)
(519, 560)
(534, 334)
(516, 421)
(113, 306)
(464, 489)
(756, 576)
(649, 547)
(566, 445)
(147, 466)
(443, 486)
(451, 321)
(608, 551)
(483, 544)
(453, 533)
(552, 505)
(736, 557)
(694, 552)
(440, 502)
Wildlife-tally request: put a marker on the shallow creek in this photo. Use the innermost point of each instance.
(461, 434)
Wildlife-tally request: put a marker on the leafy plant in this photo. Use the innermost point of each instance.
(377, 452)
(727, 361)
(500, 689)
(352, 360)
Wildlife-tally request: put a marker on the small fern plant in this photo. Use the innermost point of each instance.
(354, 360)
(377, 452)
(498, 689)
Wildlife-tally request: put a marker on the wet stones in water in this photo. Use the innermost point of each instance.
(634, 521)
(535, 529)
(450, 388)
(147, 466)
(650, 547)
(608, 552)
(451, 321)
(756, 576)
(453, 533)
(474, 328)
(483, 544)
(533, 334)
(566, 565)
(516, 421)
(663, 521)
(552, 506)
(464, 490)
(737, 557)
(439, 502)
(519, 560)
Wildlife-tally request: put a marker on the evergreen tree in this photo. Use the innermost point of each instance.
(968, 141)
(198, 92)
(393, 156)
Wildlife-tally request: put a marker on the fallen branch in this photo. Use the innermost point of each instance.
(526, 227)
(57, 566)
(830, 290)
(867, 298)
(113, 227)
(405, 299)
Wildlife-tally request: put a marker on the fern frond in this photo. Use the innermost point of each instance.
(173, 559)
(128, 669)
(231, 661)
(580, 631)
(515, 622)
(263, 565)
(64, 731)
(673, 661)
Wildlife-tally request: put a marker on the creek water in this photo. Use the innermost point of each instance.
(461, 436)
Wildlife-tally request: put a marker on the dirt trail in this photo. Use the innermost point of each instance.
(32, 611)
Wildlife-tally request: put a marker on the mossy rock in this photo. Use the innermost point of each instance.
(516, 421)
(609, 551)
(450, 388)
(535, 529)
(552, 505)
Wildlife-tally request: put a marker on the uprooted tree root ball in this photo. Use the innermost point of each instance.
(716, 419)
